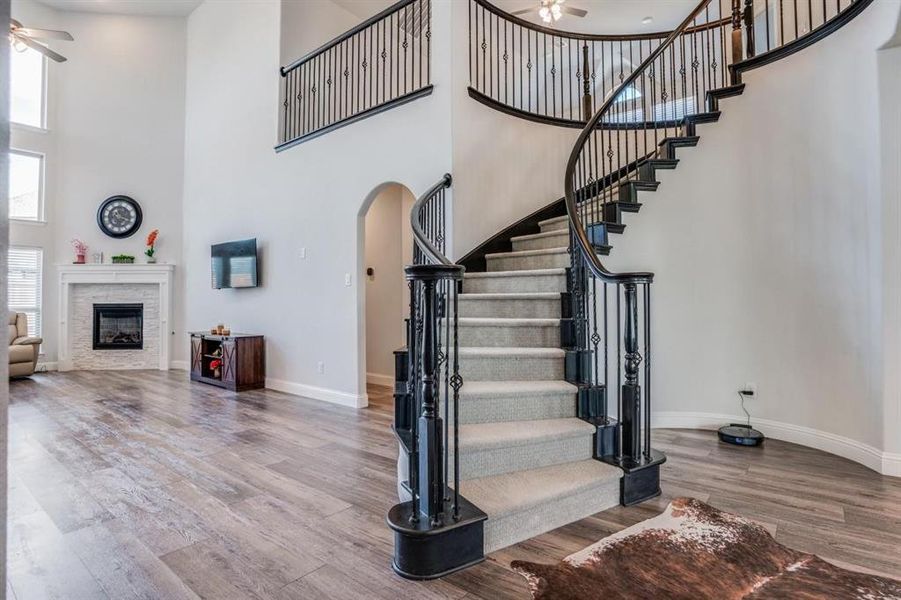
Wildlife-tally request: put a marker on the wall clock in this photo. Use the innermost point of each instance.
(119, 216)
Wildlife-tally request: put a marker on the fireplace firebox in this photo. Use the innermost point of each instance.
(118, 326)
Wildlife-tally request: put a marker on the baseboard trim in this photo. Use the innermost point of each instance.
(380, 379)
(317, 393)
(180, 365)
(891, 464)
(869, 456)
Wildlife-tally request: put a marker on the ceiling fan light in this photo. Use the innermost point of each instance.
(545, 13)
(556, 12)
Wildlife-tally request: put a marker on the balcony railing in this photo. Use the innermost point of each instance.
(559, 77)
(774, 29)
(379, 64)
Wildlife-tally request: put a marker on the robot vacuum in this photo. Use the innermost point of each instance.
(740, 435)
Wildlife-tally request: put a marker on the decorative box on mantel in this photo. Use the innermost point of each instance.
(83, 287)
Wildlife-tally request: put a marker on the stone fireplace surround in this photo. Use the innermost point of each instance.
(82, 286)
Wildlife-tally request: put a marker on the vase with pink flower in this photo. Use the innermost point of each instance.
(151, 242)
(81, 250)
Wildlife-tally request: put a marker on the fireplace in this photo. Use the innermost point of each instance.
(118, 326)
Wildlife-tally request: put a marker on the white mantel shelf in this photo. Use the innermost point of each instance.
(160, 274)
(111, 268)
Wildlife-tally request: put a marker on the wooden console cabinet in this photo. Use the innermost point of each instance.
(236, 362)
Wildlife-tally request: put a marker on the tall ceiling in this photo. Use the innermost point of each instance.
(610, 16)
(604, 16)
(159, 8)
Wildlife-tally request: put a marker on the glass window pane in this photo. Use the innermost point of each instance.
(26, 87)
(25, 185)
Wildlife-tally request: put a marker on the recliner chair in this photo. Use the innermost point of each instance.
(23, 350)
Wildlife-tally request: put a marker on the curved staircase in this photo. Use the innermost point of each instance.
(523, 399)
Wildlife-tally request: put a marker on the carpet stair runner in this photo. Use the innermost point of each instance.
(526, 460)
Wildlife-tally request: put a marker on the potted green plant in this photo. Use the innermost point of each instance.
(123, 259)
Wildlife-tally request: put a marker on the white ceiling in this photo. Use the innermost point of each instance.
(158, 8)
(604, 16)
(611, 16)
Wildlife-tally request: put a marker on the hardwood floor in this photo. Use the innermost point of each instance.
(143, 485)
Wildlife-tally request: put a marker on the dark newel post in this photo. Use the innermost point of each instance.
(412, 390)
(736, 34)
(631, 417)
(587, 110)
(749, 27)
(431, 478)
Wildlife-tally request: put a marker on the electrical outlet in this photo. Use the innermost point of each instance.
(749, 387)
(303, 254)
(320, 367)
(347, 279)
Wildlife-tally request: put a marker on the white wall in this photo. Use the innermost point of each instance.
(890, 146)
(767, 248)
(769, 272)
(308, 24)
(387, 251)
(115, 126)
(312, 196)
(504, 167)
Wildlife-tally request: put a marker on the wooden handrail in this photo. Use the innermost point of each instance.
(576, 225)
(422, 240)
(382, 63)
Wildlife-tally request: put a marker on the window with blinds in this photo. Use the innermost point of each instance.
(24, 277)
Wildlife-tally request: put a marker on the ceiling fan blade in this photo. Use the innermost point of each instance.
(45, 34)
(576, 12)
(42, 49)
(523, 11)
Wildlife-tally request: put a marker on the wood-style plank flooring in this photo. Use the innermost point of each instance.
(143, 485)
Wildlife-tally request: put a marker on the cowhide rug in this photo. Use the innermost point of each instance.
(693, 551)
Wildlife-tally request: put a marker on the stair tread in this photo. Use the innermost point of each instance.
(507, 322)
(507, 434)
(553, 220)
(736, 89)
(520, 351)
(539, 252)
(681, 140)
(510, 296)
(523, 273)
(502, 389)
(515, 492)
(539, 236)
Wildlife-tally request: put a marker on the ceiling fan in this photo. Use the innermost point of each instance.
(22, 38)
(550, 11)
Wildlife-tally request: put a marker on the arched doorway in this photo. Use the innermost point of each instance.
(386, 249)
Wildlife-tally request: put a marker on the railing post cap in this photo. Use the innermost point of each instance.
(434, 272)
